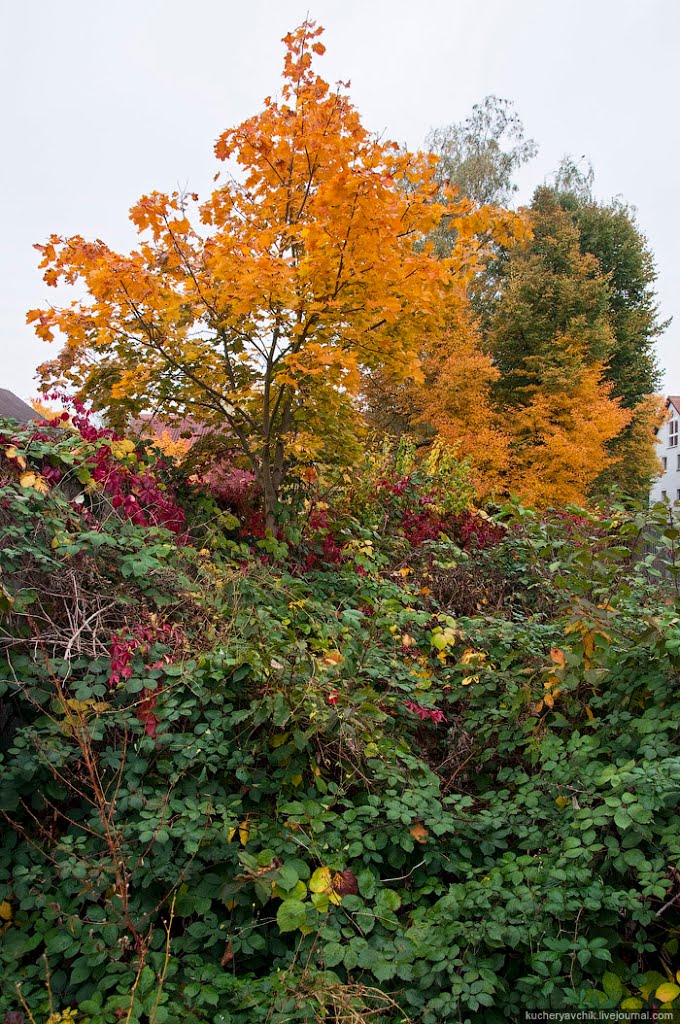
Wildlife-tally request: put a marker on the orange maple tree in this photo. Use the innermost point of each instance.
(307, 266)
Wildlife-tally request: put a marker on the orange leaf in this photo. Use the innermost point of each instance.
(419, 832)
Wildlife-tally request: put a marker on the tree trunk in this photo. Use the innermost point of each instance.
(269, 494)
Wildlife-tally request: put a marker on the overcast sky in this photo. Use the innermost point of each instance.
(106, 101)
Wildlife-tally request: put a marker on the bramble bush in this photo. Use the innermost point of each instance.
(425, 770)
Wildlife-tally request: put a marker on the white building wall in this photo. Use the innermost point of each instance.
(668, 450)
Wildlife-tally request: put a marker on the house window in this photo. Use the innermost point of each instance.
(678, 494)
(678, 465)
(673, 434)
(665, 462)
(664, 494)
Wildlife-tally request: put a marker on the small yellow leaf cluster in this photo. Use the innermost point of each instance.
(66, 1016)
(121, 449)
(35, 482)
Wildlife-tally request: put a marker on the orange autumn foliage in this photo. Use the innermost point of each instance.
(455, 399)
(304, 270)
(559, 440)
(173, 448)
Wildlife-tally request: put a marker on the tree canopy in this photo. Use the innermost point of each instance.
(301, 270)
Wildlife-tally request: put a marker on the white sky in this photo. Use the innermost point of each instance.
(106, 101)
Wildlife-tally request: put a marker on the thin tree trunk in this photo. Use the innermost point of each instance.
(269, 493)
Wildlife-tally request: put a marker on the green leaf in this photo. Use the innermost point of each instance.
(291, 915)
(622, 819)
(612, 985)
(384, 970)
(333, 953)
(387, 901)
(366, 883)
(287, 877)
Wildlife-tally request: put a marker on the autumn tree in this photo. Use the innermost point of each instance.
(549, 332)
(590, 261)
(477, 159)
(559, 438)
(451, 400)
(302, 271)
(609, 231)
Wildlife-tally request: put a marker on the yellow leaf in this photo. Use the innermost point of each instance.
(549, 700)
(590, 715)
(243, 832)
(36, 481)
(13, 453)
(321, 882)
(79, 706)
(667, 992)
(562, 801)
(119, 449)
(5, 911)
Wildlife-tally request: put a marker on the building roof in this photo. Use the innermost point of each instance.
(674, 400)
(150, 425)
(14, 408)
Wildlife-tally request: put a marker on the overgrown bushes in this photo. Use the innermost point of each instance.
(423, 770)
